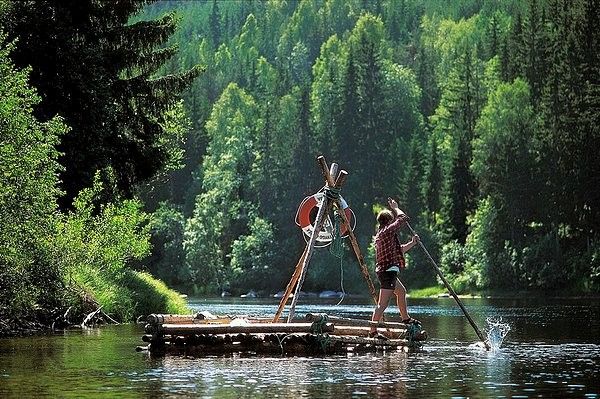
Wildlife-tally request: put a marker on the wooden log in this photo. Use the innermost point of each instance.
(368, 341)
(258, 328)
(357, 331)
(147, 337)
(200, 317)
(333, 169)
(293, 343)
(325, 171)
(89, 319)
(345, 321)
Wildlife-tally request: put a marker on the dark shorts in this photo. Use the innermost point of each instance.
(387, 280)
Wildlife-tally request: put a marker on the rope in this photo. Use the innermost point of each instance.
(332, 193)
(412, 330)
(337, 246)
(281, 341)
(316, 328)
(337, 249)
(341, 284)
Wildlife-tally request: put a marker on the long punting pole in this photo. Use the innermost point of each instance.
(447, 284)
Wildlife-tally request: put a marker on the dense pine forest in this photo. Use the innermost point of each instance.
(174, 140)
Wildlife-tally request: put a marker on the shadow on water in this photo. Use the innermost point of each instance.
(552, 350)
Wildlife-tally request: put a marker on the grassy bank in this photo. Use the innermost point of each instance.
(128, 295)
(427, 292)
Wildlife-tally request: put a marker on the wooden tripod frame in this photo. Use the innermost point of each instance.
(328, 203)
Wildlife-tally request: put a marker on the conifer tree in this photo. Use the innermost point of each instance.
(215, 24)
(96, 70)
(433, 183)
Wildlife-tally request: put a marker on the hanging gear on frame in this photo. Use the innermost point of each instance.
(307, 213)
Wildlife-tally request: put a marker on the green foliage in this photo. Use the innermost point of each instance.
(95, 244)
(150, 295)
(459, 266)
(352, 80)
(251, 257)
(167, 261)
(50, 261)
(28, 192)
(97, 71)
(427, 292)
(221, 212)
(105, 239)
(481, 117)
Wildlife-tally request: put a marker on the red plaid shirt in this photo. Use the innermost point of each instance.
(388, 250)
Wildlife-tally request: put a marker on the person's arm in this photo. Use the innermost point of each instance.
(401, 217)
(406, 247)
(394, 206)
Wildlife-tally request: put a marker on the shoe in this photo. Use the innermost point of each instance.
(410, 320)
(377, 335)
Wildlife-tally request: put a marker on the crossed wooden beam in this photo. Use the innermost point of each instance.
(326, 206)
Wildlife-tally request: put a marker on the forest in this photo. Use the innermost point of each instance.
(171, 142)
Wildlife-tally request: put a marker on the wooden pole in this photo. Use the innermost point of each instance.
(333, 171)
(351, 236)
(290, 286)
(447, 284)
(361, 260)
(323, 210)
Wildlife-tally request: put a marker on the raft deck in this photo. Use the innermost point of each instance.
(315, 334)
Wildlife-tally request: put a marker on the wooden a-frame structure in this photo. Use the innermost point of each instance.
(328, 203)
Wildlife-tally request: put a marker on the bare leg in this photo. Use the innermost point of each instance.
(400, 293)
(382, 303)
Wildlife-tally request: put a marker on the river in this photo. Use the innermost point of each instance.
(552, 350)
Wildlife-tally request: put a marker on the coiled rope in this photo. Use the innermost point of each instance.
(317, 328)
(332, 193)
(412, 330)
(337, 249)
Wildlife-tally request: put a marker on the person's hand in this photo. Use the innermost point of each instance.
(416, 238)
(392, 203)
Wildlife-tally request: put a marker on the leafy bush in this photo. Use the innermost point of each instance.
(153, 296)
(460, 268)
(28, 192)
(95, 246)
(251, 256)
(105, 241)
(167, 261)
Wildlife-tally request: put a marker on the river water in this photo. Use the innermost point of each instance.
(552, 350)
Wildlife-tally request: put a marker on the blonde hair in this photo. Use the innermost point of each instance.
(384, 217)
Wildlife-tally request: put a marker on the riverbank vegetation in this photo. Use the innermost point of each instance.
(80, 123)
(176, 140)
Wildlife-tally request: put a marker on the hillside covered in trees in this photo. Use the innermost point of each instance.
(481, 117)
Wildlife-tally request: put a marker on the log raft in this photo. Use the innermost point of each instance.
(315, 334)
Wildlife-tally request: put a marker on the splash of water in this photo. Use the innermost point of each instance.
(496, 330)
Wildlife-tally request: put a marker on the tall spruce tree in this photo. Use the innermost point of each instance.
(215, 24)
(96, 70)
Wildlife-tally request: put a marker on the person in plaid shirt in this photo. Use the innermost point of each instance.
(389, 254)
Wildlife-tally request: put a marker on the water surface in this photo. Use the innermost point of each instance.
(552, 350)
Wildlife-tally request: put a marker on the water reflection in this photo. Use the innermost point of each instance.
(552, 350)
